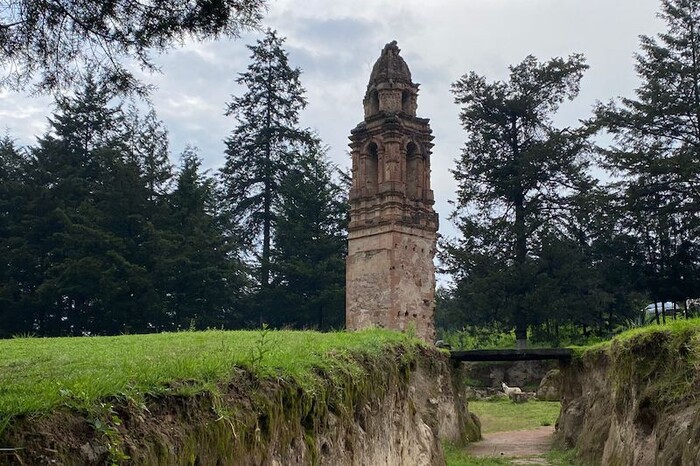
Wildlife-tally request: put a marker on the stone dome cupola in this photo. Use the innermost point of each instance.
(390, 89)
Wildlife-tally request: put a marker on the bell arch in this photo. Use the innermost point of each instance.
(371, 170)
(415, 171)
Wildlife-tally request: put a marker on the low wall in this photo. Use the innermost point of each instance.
(524, 374)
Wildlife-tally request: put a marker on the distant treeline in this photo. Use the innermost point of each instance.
(99, 234)
(545, 244)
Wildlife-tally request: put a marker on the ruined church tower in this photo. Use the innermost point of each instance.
(391, 244)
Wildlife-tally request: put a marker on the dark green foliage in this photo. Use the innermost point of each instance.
(94, 241)
(516, 174)
(100, 236)
(201, 268)
(545, 242)
(656, 156)
(281, 199)
(263, 146)
(56, 40)
(310, 245)
(16, 257)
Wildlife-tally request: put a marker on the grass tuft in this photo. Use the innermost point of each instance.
(456, 456)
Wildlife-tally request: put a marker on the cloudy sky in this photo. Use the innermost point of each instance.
(336, 43)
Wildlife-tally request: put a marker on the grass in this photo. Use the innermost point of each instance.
(39, 374)
(504, 415)
(475, 337)
(635, 335)
(459, 457)
(564, 458)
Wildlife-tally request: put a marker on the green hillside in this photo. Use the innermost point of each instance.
(38, 374)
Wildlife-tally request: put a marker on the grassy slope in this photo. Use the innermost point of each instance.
(664, 359)
(680, 327)
(38, 374)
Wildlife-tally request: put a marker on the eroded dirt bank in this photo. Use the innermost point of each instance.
(394, 414)
(634, 402)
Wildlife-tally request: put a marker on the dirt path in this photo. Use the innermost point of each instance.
(521, 446)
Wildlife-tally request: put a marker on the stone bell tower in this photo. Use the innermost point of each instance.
(390, 272)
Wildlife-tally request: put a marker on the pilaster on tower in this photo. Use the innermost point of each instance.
(391, 245)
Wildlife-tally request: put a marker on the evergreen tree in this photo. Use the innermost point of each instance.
(515, 170)
(263, 146)
(17, 261)
(55, 41)
(66, 174)
(92, 239)
(310, 245)
(88, 222)
(204, 278)
(148, 146)
(657, 153)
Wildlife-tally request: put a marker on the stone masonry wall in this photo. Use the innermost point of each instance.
(391, 280)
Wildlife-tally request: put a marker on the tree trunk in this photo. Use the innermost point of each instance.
(663, 311)
(520, 244)
(267, 202)
(656, 312)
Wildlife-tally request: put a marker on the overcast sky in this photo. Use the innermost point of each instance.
(335, 43)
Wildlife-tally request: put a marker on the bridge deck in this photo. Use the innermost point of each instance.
(562, 354)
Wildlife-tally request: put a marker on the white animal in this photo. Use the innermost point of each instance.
(510, 391)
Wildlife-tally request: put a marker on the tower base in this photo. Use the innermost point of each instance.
(390, 280)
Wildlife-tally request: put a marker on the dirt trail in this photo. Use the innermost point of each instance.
(520, 446)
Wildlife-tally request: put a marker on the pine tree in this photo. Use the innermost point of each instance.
(263, 146)
(50, 44)
(310, 245)
(17, 261)
(88, 221)
(66, 174)
(516, 167)
(204, 282)
(657, 153)
(148, 146)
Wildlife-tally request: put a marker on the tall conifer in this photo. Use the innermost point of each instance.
(514, 173)
(263, 145)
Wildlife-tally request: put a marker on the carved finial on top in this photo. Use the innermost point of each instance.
(392, 47)
(390, 66)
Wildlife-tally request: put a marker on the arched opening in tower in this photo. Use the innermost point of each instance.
(406, 102)
(372, 168)
(414, 172)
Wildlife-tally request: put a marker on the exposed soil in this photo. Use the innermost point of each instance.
(520, 446)
(395, 414)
